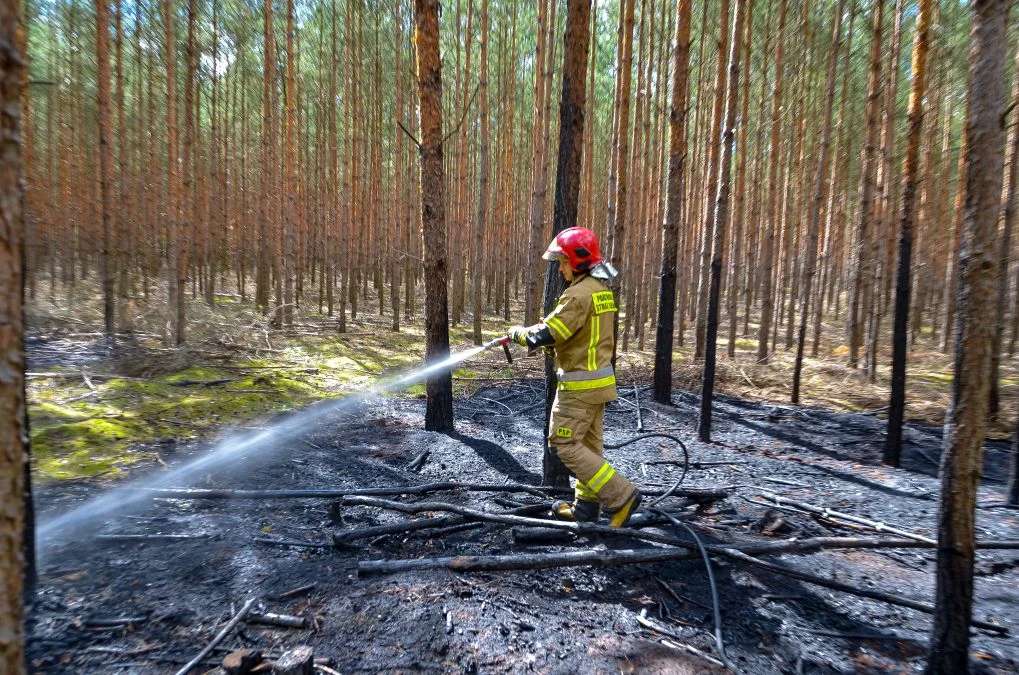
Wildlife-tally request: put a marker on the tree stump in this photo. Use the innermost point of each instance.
(242, 661)
(297, 661)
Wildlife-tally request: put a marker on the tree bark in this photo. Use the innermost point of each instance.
(105, 163)
(767, 241)
(481, 226)
(710, 192)
(966, 420)
(861, 267)
(817, 198)
(721, 213)
(439, 405)
(903, 284)
(1004, 252)
(13, 421)
(674, 205)
(174, 288)
(536, 231)
(567, 189)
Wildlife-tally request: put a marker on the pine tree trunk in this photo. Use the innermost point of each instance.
(709, 195)
(567, 188)
(536, 229)
(106, 256)
(739, 230)
(814, 218)
(617, 227)
(721, 213)
(1004, 251)
(674, 205)
(439, 406)
(966, 419)
(290, 169)
(861, 285)
(13, 421)
(767, 242)
(174, 286)
(481, 226)
(903, 285)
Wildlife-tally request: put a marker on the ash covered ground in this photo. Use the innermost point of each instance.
(175, 594)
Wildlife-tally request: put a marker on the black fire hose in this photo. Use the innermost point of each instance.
(674, 439)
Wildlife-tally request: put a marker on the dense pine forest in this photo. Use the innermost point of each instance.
(269, 150)
(811, 198)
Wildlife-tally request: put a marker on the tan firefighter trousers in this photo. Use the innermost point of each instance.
(575, 433)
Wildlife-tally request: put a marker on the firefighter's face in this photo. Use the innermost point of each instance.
(565, 269)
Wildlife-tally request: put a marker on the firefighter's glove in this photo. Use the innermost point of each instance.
(518, 334)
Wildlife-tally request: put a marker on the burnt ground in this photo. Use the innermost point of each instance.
(179, 593)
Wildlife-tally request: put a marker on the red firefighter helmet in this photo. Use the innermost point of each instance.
(578, 245)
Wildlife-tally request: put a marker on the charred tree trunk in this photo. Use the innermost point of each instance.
(1004, 251)
(903, 284)
(721, 213)
(567, 187)
(966, 420)
(439, 407)
(673, 206)
(817, 198)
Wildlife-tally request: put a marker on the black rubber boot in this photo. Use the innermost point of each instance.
(581, 511)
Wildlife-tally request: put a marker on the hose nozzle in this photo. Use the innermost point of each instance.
(500, 342)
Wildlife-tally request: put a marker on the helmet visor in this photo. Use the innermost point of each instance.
(554, 252)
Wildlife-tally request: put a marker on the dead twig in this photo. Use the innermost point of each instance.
(219, 638)
(419, 461)
(289, 542)
(298, 591)
(663, 630)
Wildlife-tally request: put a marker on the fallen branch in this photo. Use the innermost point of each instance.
(536, 561)
(597, 558)
(825, 512)
(282, 620)
(663, 630)
(845, 588)
(122, 652)
(290, 542)
(509, 519)
(219, 638)
(342, 537)
(419, 461)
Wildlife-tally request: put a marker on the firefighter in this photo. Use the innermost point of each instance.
(580, 332)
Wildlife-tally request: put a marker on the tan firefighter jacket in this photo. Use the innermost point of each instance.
(581, 325)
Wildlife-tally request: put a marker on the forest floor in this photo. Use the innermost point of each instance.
(201, 561)
(174, 594)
